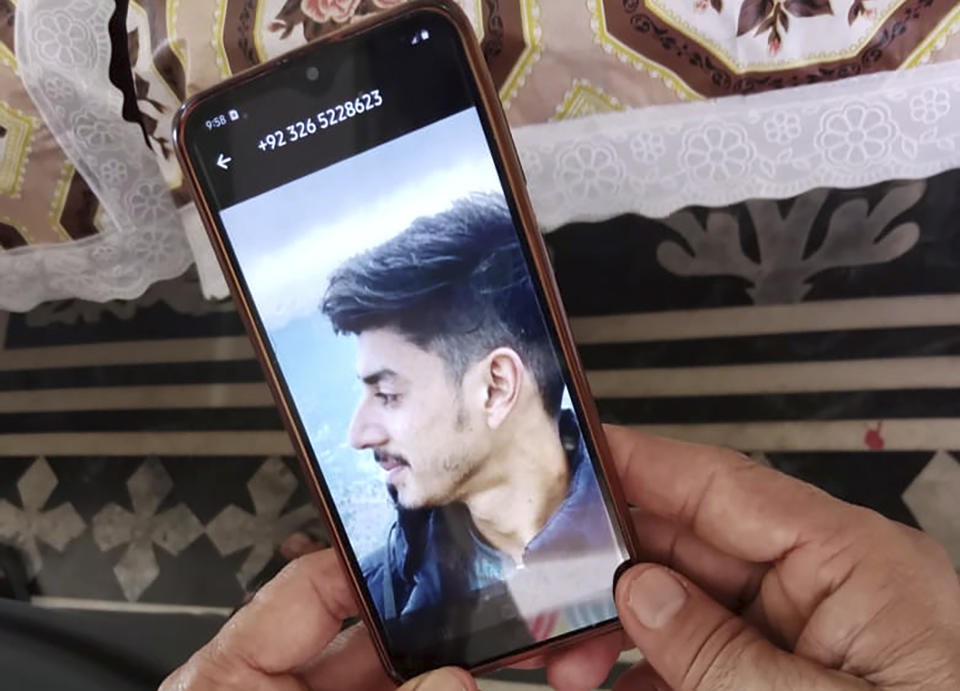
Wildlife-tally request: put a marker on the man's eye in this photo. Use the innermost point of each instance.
(387, 398)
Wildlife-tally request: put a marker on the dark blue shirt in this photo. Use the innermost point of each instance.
(434, 557)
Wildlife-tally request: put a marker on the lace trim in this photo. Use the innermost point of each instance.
(63, 54)
(850, 133)
(654, 161)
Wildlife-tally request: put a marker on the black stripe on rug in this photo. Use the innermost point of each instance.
(840, 405)
(797, 347)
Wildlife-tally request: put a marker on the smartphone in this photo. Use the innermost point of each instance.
(369, 212)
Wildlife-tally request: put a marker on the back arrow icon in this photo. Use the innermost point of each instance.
(223, 161)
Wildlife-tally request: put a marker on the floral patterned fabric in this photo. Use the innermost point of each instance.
(550, 61)
(67, 63)
(43, 199)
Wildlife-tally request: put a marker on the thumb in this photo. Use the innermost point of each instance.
(695, 644)
(443, 679)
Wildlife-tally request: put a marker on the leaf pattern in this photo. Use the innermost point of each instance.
(752, 14)
(772, 17)
(287, 19)
(766, 25)
(857, 9)
(807, 8)
(784, 21)
(133, 45)
(142, 88)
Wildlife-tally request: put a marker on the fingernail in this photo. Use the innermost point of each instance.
(655, 596)
(294, 545)
(440, 680)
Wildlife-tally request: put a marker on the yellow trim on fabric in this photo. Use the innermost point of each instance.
(177, 181)
(947, 26)
(219, 27)
(98, 218)
(257, 36)
(20, 127)
(687, 29)
(153, 65)
(60, 200)
(529, 13)
(480, 29)
(583, 98)
(173, 7)
(8, 58)
(671, 78)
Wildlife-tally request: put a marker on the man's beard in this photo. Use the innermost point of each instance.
(457, 469)
(394, 496)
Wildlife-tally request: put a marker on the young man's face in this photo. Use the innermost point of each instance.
(414, 418)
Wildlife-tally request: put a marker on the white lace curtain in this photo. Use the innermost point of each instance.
(653, 162)
(774, 145)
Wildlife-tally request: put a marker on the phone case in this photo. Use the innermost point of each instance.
(504, 150)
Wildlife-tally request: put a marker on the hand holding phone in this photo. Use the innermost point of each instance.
(718, 608)
(289, 636)
(368, 209)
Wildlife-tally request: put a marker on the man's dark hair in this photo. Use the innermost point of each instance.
(456, 284)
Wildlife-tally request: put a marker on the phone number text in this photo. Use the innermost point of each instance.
(302, 129)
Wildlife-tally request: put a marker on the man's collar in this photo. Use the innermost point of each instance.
(582, 500)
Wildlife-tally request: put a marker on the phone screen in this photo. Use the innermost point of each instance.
(378, 244)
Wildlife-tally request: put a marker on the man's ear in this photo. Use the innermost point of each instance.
(503, 375)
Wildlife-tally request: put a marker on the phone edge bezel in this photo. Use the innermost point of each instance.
(505, 150)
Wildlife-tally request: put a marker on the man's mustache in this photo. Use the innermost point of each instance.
(384, 458)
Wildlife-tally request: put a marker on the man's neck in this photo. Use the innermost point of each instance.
(521, 488)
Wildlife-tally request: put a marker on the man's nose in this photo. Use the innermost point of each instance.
(365, 431)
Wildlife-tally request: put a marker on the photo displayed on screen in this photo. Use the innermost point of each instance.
(405, 323)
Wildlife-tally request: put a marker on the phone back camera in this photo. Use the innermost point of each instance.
(313, 74)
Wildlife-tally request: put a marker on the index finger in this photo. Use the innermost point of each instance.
(745, 509)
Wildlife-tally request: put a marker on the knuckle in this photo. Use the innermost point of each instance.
(870, 527)
(914, 549)
(732, 459)
(715, 666)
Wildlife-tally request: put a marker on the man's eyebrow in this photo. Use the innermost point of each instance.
(377, 376)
